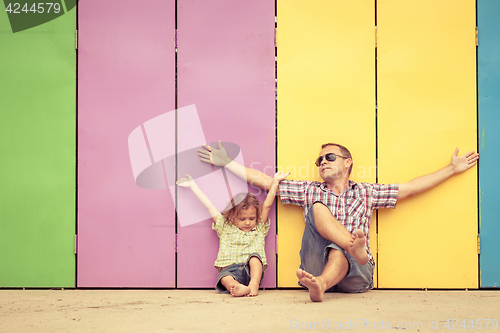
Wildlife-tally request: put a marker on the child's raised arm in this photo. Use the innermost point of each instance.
(189, 182)
(266, 207)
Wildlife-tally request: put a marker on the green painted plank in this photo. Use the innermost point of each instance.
(37, 149)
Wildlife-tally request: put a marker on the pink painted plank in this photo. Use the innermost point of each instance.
(226, 68)
(126, 77)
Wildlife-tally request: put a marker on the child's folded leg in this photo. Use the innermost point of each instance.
(255, 275)
(230, 280)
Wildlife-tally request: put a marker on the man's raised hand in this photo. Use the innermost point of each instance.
(464, 162)
(217, 157)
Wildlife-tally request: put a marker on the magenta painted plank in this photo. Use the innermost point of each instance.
(226, 68)
(126, 77)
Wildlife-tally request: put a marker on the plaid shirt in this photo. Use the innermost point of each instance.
(236, 245)
(353, 207)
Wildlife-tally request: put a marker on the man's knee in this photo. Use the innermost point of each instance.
(319, 210)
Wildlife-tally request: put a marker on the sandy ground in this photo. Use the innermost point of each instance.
(154, 311)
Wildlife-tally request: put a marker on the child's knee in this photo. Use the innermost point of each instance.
(227, 279)
(254, 261)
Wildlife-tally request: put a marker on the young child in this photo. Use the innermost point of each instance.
(242, 229)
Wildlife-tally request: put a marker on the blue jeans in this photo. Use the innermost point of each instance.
(240, 272)
(314, 255)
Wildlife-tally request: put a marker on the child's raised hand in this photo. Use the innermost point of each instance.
(279, 176)
(186, 182)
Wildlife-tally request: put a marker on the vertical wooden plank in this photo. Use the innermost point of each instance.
(226, 68)
(326, 93)
(127, 77)
(37, 144)
(427, 107)
(489, 137)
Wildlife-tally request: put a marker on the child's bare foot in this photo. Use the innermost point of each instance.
(357, 248)
(237, 290)
(254, 289)
(316, 290)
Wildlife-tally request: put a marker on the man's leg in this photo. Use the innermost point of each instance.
(336, 269)
(331, 229)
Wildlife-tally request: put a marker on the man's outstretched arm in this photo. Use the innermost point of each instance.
(457, 165)
(219, 157)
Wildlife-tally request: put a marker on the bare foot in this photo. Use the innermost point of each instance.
(237, 290)
(357, 248)
(254, 289)
(316, 290)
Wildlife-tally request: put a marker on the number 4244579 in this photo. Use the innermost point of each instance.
(36, 8)
(478, 324)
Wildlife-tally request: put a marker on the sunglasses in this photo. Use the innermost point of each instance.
(329, 157)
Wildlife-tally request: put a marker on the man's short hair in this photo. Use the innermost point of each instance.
(345, 152)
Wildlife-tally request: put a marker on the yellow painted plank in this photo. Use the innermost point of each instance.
(426, 73)
(326, 93)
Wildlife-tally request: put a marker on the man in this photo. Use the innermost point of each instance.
(335, 253)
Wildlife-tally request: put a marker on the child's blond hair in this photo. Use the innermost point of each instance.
(242, 201)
